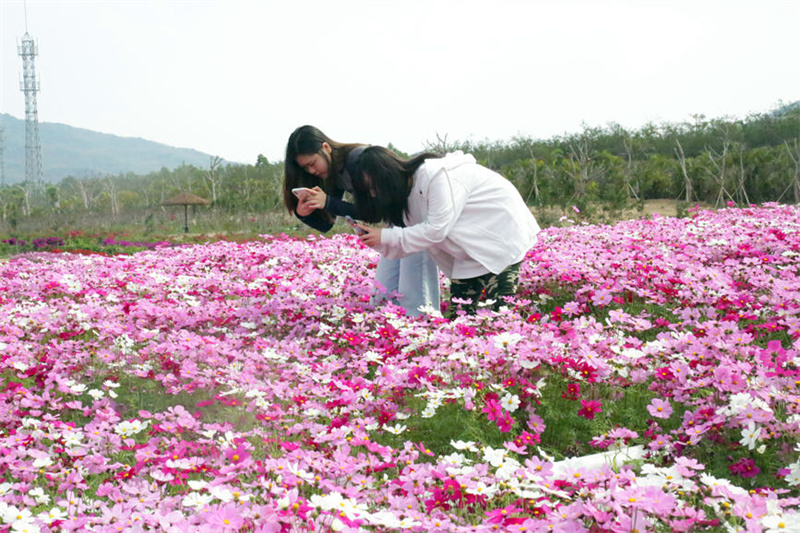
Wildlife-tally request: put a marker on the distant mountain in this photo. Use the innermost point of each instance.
(77, 152)
(784, 109)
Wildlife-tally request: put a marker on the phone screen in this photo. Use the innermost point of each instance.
(353, 225)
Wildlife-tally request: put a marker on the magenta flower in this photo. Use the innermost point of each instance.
(238, 454)
(492, 409)
(573, 392)
(590, 408)
(502, 516)
(660, 408)
(504, 422)
(301, 373)
(745, 467)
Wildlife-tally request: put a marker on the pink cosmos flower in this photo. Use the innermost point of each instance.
(590, 408)
(660, 408)
(237, 455)
(536, 424)
(225, 517)
(688, 467)
(602, 298)
(659, 442)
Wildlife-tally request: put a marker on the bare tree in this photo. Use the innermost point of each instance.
(687, 182)
(110, 188)
(212, 178)
(88, 192)
(628, 143)
(535, 187)
(741, 190)
(723, 174)
(441, 145)
(794, 153)
(581, 168)
(26, 198)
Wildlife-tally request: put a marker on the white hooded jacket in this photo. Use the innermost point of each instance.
(470, 219)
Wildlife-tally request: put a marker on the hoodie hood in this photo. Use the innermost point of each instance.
(449, 161)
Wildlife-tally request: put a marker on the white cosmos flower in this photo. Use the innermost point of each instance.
(386, 519)
(505, 339)
(461, 445)
(128, 428)
(196, 484)
(510, 402)
(77, 388)
(39, 496)
(96, 394)
(782, 523)
(494, 456)
(408, 523)
(750, 435)
(56, 513)
(223, 494)
(428, 412)
(454, 459)
(372, 357)
(72, 439)
(10, 513)
(196, 499)
(42, 462)
(794, 474)
(482, 488)
(396, 429)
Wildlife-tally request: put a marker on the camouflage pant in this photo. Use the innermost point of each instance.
(491, 286)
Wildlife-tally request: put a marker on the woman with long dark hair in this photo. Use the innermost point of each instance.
(325, 167)
(471, 220)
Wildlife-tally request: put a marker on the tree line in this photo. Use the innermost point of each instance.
(713, 161)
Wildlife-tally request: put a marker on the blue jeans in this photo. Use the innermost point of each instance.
(411, 282)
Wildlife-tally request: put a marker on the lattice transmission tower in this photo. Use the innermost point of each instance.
(33, 147)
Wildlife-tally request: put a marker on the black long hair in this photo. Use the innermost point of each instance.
(383, 182)
(308, 140)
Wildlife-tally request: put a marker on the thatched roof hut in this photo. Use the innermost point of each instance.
(186, 199)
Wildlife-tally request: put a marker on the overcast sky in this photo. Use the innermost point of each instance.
(234, 78)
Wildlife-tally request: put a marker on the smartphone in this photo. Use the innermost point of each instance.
(353, 225)
(301, 192)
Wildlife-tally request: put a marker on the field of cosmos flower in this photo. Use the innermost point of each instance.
(253, 387)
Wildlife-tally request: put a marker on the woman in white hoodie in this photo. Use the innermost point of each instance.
(471, 220)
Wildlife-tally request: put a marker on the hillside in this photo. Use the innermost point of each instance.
(69, 151)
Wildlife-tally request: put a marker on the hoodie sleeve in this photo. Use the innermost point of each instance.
(444, 198)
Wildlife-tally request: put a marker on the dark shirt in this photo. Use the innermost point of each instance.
(334, 204)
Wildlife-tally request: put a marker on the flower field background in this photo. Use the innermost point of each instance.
(253, 387)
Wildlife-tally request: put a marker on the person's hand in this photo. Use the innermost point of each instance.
(371, 237)
(316, 199)
(303, 209)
